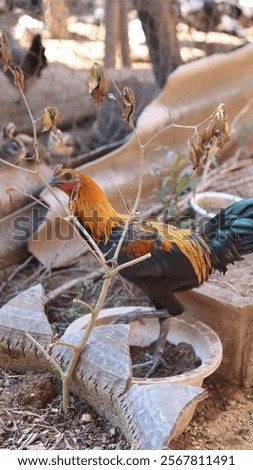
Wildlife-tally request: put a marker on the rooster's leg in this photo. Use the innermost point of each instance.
(139, 314)
(157, 359)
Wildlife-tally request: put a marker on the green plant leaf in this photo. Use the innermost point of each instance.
(181, 183)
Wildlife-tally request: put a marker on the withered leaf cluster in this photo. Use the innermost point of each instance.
(51, 118)
(19, 78)
(203, 145)
(128, 100)
(6, 59)
(5, 51)
(98, 83)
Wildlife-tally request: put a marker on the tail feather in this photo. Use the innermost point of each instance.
(229, 234)
(35, 59)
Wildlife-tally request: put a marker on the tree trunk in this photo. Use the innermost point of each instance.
(56, 15)
(124, 41)
(112, 17)
(116, 33)
(159, 21)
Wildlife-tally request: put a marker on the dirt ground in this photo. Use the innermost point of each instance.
(31, 418)
(223, 421)
(30, 410)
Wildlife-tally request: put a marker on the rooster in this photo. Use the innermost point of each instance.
(180, 258)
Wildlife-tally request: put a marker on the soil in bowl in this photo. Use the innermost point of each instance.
(180, 358)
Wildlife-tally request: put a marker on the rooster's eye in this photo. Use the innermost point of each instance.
(67, 176)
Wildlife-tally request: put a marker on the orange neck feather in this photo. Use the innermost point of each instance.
(95, 211)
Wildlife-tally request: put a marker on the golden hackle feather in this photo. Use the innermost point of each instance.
(193, 247)
(95, 211)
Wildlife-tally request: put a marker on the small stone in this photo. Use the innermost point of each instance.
(86, 418)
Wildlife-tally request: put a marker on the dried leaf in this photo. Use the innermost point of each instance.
(51, 118)
(5, 51)
(19, 78)
(9, 192)
(208, 132)
(98, 83)
(72, 205)
(193, 153)
(221, 116)
(221, 125)
(203, 145)
(128, 100)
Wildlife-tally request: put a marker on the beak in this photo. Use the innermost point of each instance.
(54, 181)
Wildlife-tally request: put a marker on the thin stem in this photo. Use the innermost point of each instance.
(179, 126)
(63, 343)
(50, 189)
(122, 237)
(88, 306)
(34, 198)
(35, 142)
(92, 245)
(25, 101)
(35, 172)
(113, 82)
(45, 353)
(130, 263)
(67, 376)
(138, 195)
(34, 124)
(141, 171)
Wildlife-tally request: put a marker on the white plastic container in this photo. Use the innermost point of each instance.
(207, 204)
